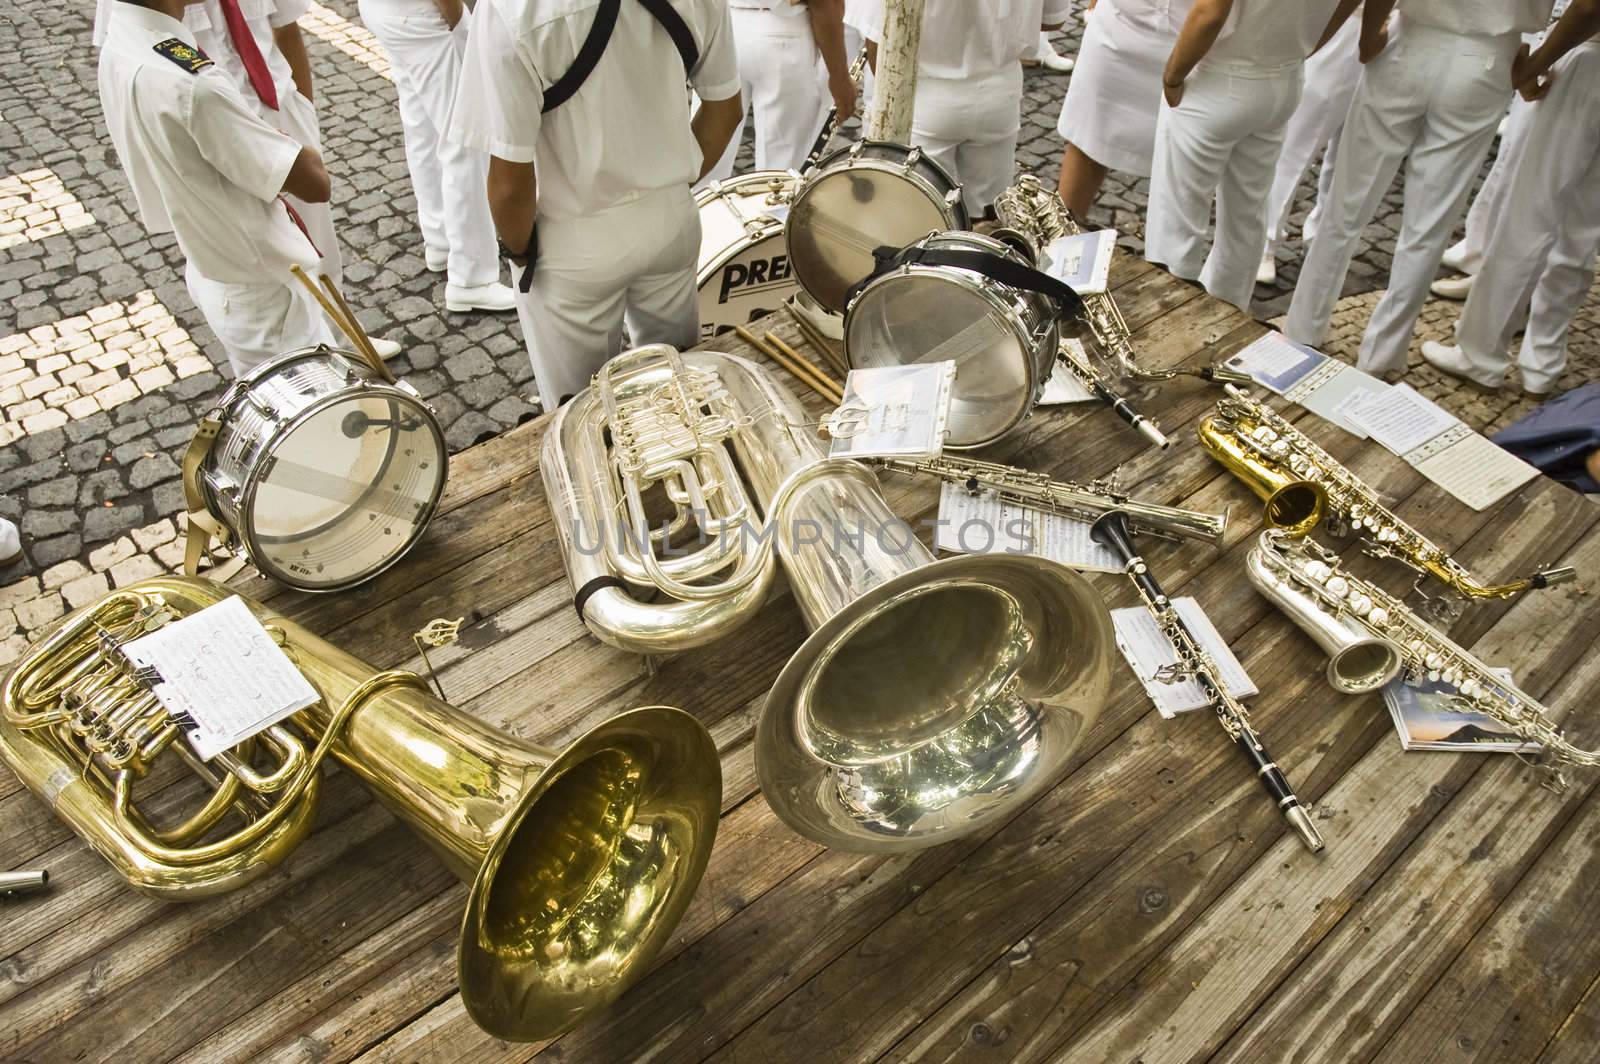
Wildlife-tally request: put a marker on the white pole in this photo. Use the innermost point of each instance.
(895, 80)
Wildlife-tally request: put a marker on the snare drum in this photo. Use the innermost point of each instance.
(1003, 340)
(857, 199)
(744, 259)
(323, 471)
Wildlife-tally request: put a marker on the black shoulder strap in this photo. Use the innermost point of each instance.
(594, 46)
(995, 267)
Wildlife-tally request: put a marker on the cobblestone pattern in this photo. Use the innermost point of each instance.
(35, 205)
(96, 493)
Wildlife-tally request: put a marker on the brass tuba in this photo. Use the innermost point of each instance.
(580, 861)
(932, 696)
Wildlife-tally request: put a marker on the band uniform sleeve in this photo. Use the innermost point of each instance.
(241, 146)
(287, 11)
(498, 100)
(865, 17)
(716, 77)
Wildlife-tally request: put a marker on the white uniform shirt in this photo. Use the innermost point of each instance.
(201, 164)
(625, 132)
(1272, 33)
(1487, 18)
(969, 38)
(1152, 15)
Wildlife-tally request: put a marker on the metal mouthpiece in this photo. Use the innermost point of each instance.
(1224, 375)
(23, 882)
(1152, 432)
(1300, 820)
(1561, 574)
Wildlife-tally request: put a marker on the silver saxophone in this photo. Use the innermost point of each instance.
(1371, 637)
(1085, 502)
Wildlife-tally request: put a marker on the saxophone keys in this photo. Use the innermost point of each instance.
(1470, 688)
(1378, 617)
(1338, 587)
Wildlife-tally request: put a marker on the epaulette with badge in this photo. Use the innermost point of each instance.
(187, 56)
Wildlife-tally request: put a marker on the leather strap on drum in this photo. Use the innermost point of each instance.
(594, 46)
(995, 267)
(202, 526)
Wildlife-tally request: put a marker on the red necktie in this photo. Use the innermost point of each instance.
(255, 65)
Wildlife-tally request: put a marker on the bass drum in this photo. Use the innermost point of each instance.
(744, 268)
(857, 199)
(1003, 340)
(325, 473)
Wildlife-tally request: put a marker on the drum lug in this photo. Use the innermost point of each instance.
(856, 148)
(953, 197)
(913, 157)
(264, 408)
(405, 386)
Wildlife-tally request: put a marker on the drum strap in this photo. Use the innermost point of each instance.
(594, 46)
(202, 526)
(995, 267)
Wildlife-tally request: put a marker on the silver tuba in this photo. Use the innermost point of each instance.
(931, 697)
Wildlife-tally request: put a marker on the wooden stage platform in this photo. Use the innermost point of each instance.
(1150, 907)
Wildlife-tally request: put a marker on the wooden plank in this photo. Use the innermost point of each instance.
(1574, 1043)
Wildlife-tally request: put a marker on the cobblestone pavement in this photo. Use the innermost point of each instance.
(105, 363)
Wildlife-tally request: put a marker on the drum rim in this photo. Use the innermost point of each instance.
(252, 482)
(770, 227)
(983, 287)
(719, 189)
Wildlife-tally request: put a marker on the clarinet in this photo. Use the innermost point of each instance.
(831, 122)
(1101, 390)
(1113, 532)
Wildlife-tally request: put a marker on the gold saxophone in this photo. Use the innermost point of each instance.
(1374, 636)
(1303, 486)
(580, 861)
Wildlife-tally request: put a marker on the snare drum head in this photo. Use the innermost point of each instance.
(344, 489)
(841, 216)
(945, 315)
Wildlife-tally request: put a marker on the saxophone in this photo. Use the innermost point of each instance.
(1303, 486)
(1303, 579)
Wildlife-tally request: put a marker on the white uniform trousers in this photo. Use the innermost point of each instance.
(634, 261)
(778, 69)
(1330, 81)
(1540, 256)
(1431, 100)
(1221, 142)
(257, 322)
(297, 119)
(1491, 197)
(969, 126)
(449, 179)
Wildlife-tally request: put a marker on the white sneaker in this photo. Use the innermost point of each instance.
(1049, 58)
(10, 543)
(386, 349)
(492, 296)
(438, 261)
(1455, 257)
(1447, 358)
(1267, 272)
(1457, 288)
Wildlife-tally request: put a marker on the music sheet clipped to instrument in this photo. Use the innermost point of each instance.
(1150, 654)
(220, 669)
(982, 523)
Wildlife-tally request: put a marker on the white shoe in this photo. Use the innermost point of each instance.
(1500, 130)
(1267, 272)
(10, 543)
(1447, 358)
(1455, 257)
(1457, 288)
(1049, 58)
(1308, 232)
(438, 261)
(386, 349)
(492, 296)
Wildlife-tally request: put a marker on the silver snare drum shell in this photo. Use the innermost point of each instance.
(744, 270)
(1003, 340)
(325, 473)
(857, 199)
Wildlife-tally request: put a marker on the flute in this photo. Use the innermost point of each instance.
(1113, 532)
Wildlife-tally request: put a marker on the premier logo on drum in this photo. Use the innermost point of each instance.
(754, 274)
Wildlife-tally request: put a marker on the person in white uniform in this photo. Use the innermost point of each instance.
(590, 167)
(1109, 115)
(968, 108)
(204, 166)
(1231, 84)
(1330, 81)
(779, 43)
(1538, 262)
(425, 40)
(1431, 98)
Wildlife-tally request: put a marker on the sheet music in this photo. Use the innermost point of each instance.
(1064, 385)
(221, 669)
(1398, 417)
(893, 412)
(1477, 471)
(1082, 261)
(1147, 651)
(983, 524)
(1275, 362)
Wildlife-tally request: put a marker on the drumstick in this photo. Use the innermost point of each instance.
(777, 356)
(815, 338)
(360, 334)
(811, 367)
(351, 332)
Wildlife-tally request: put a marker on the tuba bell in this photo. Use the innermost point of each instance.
(580, 861)
(931, 697)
